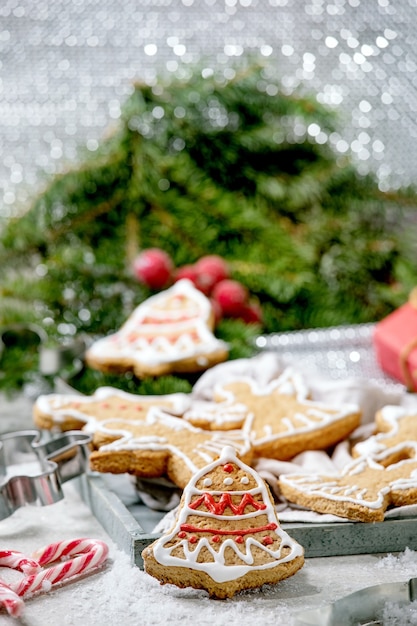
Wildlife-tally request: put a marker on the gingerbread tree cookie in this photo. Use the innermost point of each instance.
(365, 488)
(226, 536)
(285, 421)
(169, 332)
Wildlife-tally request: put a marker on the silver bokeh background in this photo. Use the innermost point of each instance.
(66, 67)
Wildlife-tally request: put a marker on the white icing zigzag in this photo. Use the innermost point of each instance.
(207, 444)
(217, 415)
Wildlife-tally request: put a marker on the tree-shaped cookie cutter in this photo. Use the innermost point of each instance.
(32, 471)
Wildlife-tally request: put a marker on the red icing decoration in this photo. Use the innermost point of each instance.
(240, 539)
(169, 320)
(241, 531)
(193, 539)
(182, 534)
(215, 539)
(228, 468)
(267, 541)
(226, 501)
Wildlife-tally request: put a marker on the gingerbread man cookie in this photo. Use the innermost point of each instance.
(285, 421)
(169, 332)
(72, 412)
(365, 488)
(226, 536)
(140, 435)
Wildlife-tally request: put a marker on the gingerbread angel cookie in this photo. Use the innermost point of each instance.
(169, 332)
(364, 489)
(226, 536)
(285, 421)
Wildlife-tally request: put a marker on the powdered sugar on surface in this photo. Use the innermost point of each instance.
(395, 615)
(403, 561)
(122, 593)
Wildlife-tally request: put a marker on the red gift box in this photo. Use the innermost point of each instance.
(395, 343)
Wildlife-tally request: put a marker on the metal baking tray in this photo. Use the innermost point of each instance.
(338, 352)
(130, 525)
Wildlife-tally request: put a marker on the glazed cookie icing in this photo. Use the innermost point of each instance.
(239, 517)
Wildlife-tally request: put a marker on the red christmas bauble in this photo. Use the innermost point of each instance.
(231, 296)
(186, 271)
(210, 270)
(251, 313)
(154, 268)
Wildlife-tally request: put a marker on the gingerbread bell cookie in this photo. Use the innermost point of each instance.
(226, 536)
(285, 421)
(171, 332)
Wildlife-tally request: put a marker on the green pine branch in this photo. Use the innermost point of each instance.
(209, 165)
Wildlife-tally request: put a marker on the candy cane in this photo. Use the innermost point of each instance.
(88, 554)
(17, 560)
(13, 559)
(10, 600)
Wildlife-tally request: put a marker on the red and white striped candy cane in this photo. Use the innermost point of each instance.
(13, 604)
(65, 559)
(17, 560)
(13, 559)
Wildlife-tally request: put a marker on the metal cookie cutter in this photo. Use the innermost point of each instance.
(361, 608)
(32, 471)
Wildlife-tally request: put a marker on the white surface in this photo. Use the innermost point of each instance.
(123, 594)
